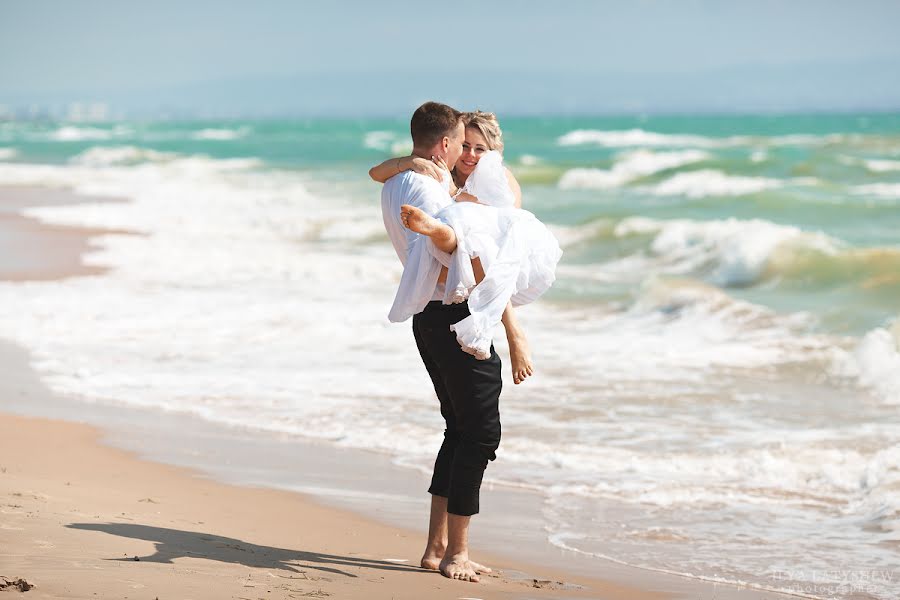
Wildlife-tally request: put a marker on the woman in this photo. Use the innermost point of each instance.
(503, 255)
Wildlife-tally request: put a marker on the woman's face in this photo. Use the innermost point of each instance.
(473, 147)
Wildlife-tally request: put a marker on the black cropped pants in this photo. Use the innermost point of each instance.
(469, 394)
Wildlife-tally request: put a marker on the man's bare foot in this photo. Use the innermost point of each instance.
(458, 567)
(419, 221)
(480, 568)
(520, 357)
(431, 560)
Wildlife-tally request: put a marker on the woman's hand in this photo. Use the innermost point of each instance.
(440, 162)
(442, 165)
(466, 197)
(425, 167)
(394, 166)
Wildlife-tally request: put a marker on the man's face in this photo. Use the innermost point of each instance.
(455, 148)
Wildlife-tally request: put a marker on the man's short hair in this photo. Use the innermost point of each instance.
(431, 122)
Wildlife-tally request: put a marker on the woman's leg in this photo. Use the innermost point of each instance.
(415, 219)
(519, 351)
(444, 238)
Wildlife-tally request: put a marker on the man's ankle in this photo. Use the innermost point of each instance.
(462, 553)
(454, 549)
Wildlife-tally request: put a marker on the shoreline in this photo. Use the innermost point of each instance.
(61, 248)
(144, 448)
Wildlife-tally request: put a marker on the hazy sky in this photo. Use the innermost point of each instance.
(283, 55)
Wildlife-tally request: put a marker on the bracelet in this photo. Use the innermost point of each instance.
(399, 170)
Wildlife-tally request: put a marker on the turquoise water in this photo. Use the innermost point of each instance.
(718, 363)
(820, 165)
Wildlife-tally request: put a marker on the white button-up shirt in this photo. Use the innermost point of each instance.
(421, 259)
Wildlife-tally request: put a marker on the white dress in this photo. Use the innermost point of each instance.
(518, 254)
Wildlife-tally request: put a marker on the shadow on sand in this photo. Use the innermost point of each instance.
(175, 543)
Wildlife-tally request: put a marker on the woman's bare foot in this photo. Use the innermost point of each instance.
(419, 221)
(416, 219)
(520, 356)
(522, 367)
(458, 567)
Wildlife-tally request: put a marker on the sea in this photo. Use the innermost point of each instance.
(717, 377)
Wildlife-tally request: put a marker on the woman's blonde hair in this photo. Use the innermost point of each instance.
(487, 125)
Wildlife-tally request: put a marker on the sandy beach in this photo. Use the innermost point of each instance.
(80, 518)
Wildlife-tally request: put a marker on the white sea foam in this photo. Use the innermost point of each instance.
(7, 153)
(768, 492)
(388, 141)
(379, 140)
(882, 166)
(628, 167)
(401, 148)
(796, 473)
(640, 137)
(689, 326)
(99, 156)
(633, 137)
(728, 252)
(876, 362)
(880, 497)
(709, 182)
(806, 139)
(882, 191)
(223, 134)
(872, 165)
(570, 235)
(70, 133)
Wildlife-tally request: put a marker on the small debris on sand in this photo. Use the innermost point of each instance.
(15, 584)
(555, 585)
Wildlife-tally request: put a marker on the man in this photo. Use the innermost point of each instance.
(468, 389)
